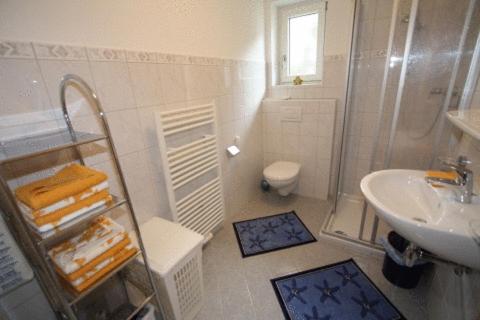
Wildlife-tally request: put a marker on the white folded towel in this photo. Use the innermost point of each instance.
(69, 217)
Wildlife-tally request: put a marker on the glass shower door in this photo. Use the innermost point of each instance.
(399, 96)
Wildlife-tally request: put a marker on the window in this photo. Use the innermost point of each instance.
(301, 32)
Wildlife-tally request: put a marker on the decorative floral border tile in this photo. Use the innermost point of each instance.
(378, 53)
(55, 51)
(16, 49)
(141, 56)
(105, 54)
(172, 58)
(59, 52)
(361, 55)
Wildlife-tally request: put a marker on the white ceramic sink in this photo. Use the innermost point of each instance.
(428, 216)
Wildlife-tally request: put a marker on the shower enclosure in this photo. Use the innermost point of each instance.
(411, 62)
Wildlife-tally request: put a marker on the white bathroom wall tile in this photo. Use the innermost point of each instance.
(105, 54)
(291, 144)
(365, 148)
(146, 85)
(324, 148)
(313, 92)
(113, 85)
(365, 35)
(334, 74)
(290, 128)
(173, 82)
(77, 101)
(272, 143)
(369, 123)
(272, 123)
(335, 93)
(114, 183)
(308, 145)
(327, 106)
(309, 106)
(363, 168)
(224, 107)
(306, 185)
(297, 92)
(383, 9)
(375, 72)
(195, 80)
(59, 52)
(126, 132)
(381, 31)
(23, 90)
(136, 171)
(325, 125)
(148, 127)
(322, 178)
(16, 50)
(367, 9)
(309, 127)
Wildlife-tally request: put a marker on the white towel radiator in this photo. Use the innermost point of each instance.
(188, 147)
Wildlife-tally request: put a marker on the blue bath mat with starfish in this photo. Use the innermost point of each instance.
(271, 233)
(337, 291)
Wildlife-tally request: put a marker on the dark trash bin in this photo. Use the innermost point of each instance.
(401, 276)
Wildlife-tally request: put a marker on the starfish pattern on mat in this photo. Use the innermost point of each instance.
(292, 234)
(327, 292)
(257, 242)
(247, 227)
(270, 227)
(287, 220)
(315, 315)
(348, 277)
(367, 306)
(295, 292)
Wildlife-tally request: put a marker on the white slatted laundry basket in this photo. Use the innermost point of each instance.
(175, 256)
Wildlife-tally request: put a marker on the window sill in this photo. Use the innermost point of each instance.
(305, 84)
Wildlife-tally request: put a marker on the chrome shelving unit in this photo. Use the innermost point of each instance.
(34, 246)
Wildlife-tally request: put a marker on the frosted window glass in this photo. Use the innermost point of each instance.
(302, 44)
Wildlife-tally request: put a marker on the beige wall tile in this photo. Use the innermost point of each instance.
(113, 85)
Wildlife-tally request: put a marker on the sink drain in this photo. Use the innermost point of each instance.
(420, 220)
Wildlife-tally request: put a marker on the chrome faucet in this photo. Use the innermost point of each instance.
(464, 180)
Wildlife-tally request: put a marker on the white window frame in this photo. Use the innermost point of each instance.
(297, 10)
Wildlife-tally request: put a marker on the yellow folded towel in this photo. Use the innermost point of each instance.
(101, 236)
(87, 267)
(70, 181)
(91, 277)
(446, 175)
(60, 213)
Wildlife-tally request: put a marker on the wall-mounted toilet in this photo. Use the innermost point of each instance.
(283, 176)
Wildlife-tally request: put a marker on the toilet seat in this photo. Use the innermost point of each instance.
(281, 171)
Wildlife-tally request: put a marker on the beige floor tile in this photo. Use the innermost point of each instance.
(240, 288)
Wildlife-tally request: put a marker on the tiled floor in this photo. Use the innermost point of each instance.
(238, 288)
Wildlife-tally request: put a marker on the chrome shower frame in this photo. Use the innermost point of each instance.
(466, 98)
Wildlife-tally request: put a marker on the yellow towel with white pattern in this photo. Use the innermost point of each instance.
(72, 180)
(102, 235)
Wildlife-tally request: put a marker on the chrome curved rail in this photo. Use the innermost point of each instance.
(72, 79)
